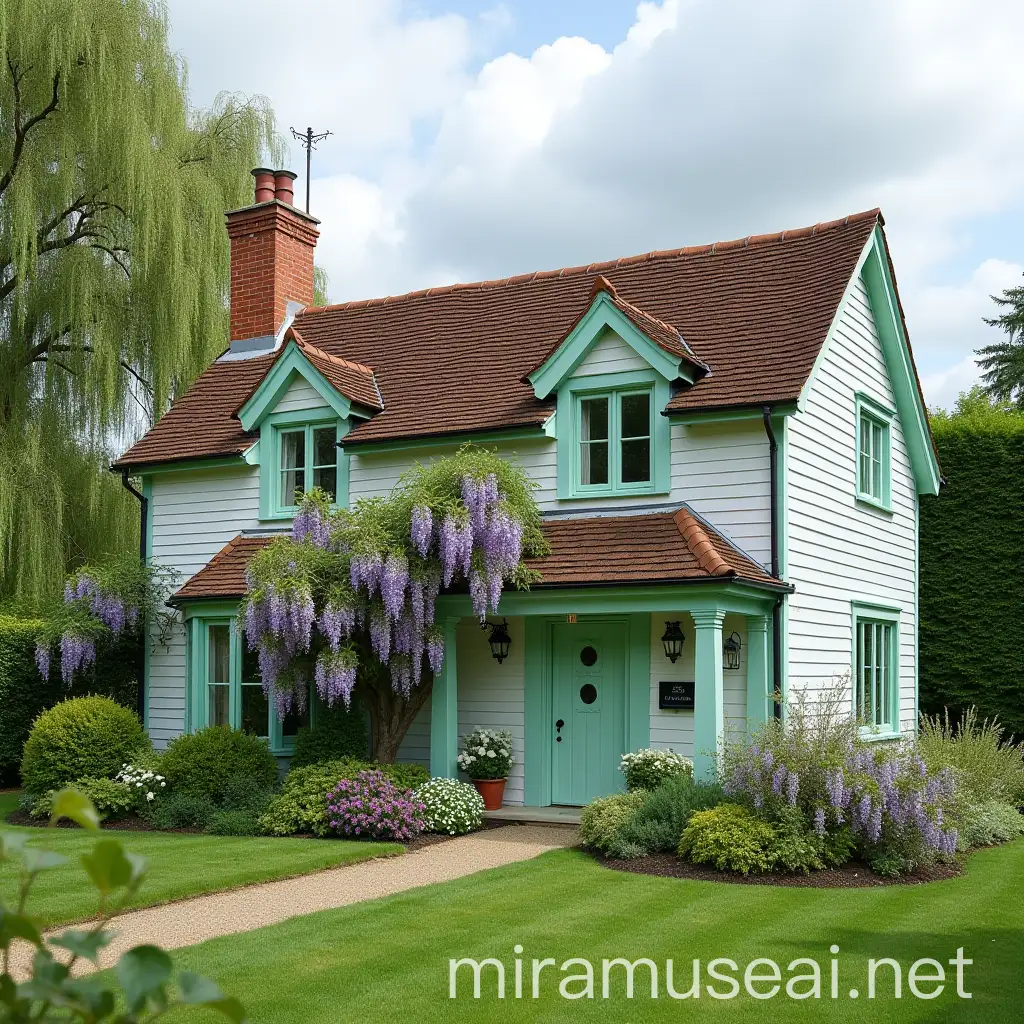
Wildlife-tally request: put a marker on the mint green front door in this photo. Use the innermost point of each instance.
(588, 710)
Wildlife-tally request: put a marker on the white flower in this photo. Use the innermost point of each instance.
(149, 796)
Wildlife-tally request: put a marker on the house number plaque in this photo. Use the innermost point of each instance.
(675, 696)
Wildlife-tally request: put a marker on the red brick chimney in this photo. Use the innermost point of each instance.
(271, 257)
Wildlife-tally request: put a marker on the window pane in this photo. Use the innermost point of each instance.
(594, 419)
(219, 654)
(325, 449)
(293, 465)
(220, 704)
(636, 461)
(636, 415)
(326, 478)
(594, 462)
(250, 665)
(255, 711)
(292, 721)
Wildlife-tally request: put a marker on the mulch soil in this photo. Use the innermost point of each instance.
(850, 876)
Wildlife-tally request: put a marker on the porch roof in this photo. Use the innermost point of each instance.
(656, 547)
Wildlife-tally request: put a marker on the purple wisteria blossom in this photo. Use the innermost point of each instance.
(435, 651)
(422, 529)
(310, 525)
(394, 581)
(76, 653)
(335, 677)
(43, 659)
(380, 634)
(336, 622)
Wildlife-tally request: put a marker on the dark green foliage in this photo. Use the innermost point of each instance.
(241, 794)
(338, 733)
(203, 763)
(239, 822)
(183, 810)
(84, 736)
(656, 826)
(24, 693)
(301, 806)
(972, 564)
(1002, 363)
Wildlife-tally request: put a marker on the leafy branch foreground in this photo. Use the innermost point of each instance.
(148, 987)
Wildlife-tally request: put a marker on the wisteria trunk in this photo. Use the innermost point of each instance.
(391, 714)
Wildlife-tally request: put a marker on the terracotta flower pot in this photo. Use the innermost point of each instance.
(492, 790)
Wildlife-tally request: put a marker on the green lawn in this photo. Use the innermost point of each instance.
(388, 960)
(179, 865)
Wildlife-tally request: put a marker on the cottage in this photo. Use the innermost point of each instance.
(729, 442)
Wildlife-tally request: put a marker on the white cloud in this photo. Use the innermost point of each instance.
(711, 119)
(942, 389)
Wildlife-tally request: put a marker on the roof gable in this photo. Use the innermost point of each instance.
(343, 385)
(658, 344)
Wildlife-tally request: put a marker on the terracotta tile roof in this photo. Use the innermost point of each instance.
(353, 380)
(659, 547)
(224, 574)
(453, 359)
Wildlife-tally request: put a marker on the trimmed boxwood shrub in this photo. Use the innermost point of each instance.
(24, 694)
(206, 762)
(85, 736)
(730, 838)
(601, 819)
(338, 733)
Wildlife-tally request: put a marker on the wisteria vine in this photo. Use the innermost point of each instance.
(351, 584)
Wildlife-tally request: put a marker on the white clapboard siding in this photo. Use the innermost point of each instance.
(610, 354)
(673, 730)
(299, 397)
(491, 696)
(839, 551)
(194, 514)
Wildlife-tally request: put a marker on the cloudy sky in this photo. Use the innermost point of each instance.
(479, 139)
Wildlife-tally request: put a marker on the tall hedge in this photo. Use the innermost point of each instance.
(24, 693)
(972, 566)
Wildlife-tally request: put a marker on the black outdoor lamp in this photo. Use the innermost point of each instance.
(499, 640)
(673, 639)
(731, 651)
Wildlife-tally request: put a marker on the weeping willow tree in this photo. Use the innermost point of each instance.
(113, 263)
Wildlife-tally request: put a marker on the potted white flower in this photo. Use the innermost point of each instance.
(487, 759)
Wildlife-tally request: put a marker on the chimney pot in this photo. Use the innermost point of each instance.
(284, 186)
(265, 184)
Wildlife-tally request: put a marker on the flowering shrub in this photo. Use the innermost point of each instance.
(884, 795)
(488, 754)
(355, 589)
(112, 799)
(145, 785)
(647, 769)
(373, 807)
(450, 806)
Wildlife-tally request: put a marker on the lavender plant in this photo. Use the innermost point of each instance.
(101, 602)
(351, 594)
(372, 806)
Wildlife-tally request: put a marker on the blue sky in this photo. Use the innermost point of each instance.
(478, 139)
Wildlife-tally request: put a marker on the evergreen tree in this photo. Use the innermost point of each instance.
(113, 263)
(1003, 363)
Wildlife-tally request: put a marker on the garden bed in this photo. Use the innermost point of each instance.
(849, 876)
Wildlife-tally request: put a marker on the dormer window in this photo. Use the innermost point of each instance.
(614, 430)
(307, 456)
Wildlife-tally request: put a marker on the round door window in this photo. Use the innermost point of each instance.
(589, 657)
(588, 693)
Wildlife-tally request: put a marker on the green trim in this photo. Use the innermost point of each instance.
(147, 494)
(874, 412)
(638, 681)
(602, 315)
(273, 426)
(453, 440)
(869, 611)
(290, 364)
(873, 269)
(444, 710)
(570, 393)
(699, 417)
(537, 712)
(709, 696)
(758, 670)
(191, 465)
(917, 611)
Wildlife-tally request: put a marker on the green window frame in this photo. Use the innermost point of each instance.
(294, 455)
(875, 671)
(606, 425)
(874, 453)
(225, 688)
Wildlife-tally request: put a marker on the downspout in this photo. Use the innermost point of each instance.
(773, 464)
(143, 556)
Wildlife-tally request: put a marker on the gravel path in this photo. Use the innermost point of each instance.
(188, 922)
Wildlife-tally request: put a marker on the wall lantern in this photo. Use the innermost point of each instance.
(673, 639)
(731, 651)
(499, 640)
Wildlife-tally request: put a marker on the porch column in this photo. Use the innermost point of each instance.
(709, 691)
(757, 671)
(444, 708)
